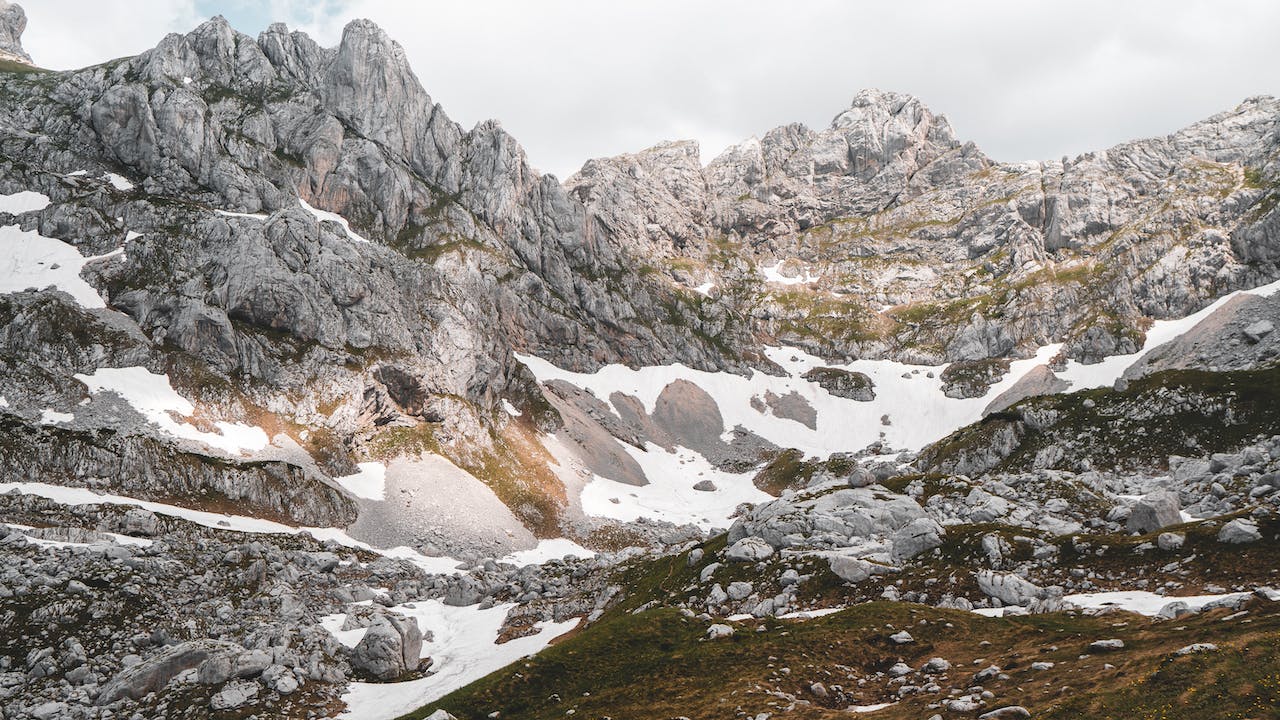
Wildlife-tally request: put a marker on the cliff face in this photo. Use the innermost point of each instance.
(912, 244)
(301, 239)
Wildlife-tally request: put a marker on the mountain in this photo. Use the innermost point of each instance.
(314, 402)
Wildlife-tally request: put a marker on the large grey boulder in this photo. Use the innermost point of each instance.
(1239, 531)
(390, 647)
(1154, 511)
(155, 672)
(748, 549)
(849, 569)
(918, 536)
(1010, 589)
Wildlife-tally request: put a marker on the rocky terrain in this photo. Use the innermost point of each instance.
(315, 404)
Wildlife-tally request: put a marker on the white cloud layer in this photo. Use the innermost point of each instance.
(574, 79)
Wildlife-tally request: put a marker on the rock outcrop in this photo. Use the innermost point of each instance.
(13, 21)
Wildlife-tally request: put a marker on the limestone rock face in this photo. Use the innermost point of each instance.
(13, 21)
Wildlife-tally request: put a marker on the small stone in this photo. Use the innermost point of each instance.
(1011, 712)
(1170, 542)
(1194, 648)
(718, 631)
(704, 486)
(1110, 645)
(901, 638)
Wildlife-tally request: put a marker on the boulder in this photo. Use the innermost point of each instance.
(233, 695)
(1154, 511)
(390, 648)
(1009, 712)
(1170, 541)
(1255, 332)
(718, 631)
(748, 549)
(918, 536)
(1110, 645)
(1010, 589)
(156, 671)
(853, 570)
(1239, 532)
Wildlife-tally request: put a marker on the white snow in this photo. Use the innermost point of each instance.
(869, 708)
(326, 215)
(186, 80)
(230, 213)
(333, 623)
(705, 288)
(25, 201)
(670, 495)
(31, 260)
(78, 173)
(511, 409)
(370, 483)
(235, 523)
(49, 416)
(810, 614)
(119, 182)
(919, 413)
(157, 401)
(43, 542)
(1140, 601)
(773, 274)
(462, 649)
(1105, 373)
(546, 551)
(3, 403)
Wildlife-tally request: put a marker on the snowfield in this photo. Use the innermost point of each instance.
(370, 483)
(31, 260)
(546, 551)
(463, 650)
(670, 495)
(155, 399)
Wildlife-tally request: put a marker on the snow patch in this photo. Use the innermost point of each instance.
(773, 274)
(1140, 601)
(31, 260)
(670, 495)
(546, 551)
(511, 409)
(370, 483)
(53, 417)
(231, 213)
(154, 397)
(705, 288)
(25, 201)
(918, 411)
(326, 215)
(463, 650)
(119, 182)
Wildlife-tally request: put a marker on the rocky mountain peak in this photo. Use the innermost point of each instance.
(13, 21)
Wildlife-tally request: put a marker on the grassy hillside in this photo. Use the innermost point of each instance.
(656, 664)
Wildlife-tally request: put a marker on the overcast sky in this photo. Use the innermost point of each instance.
(573, 80)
